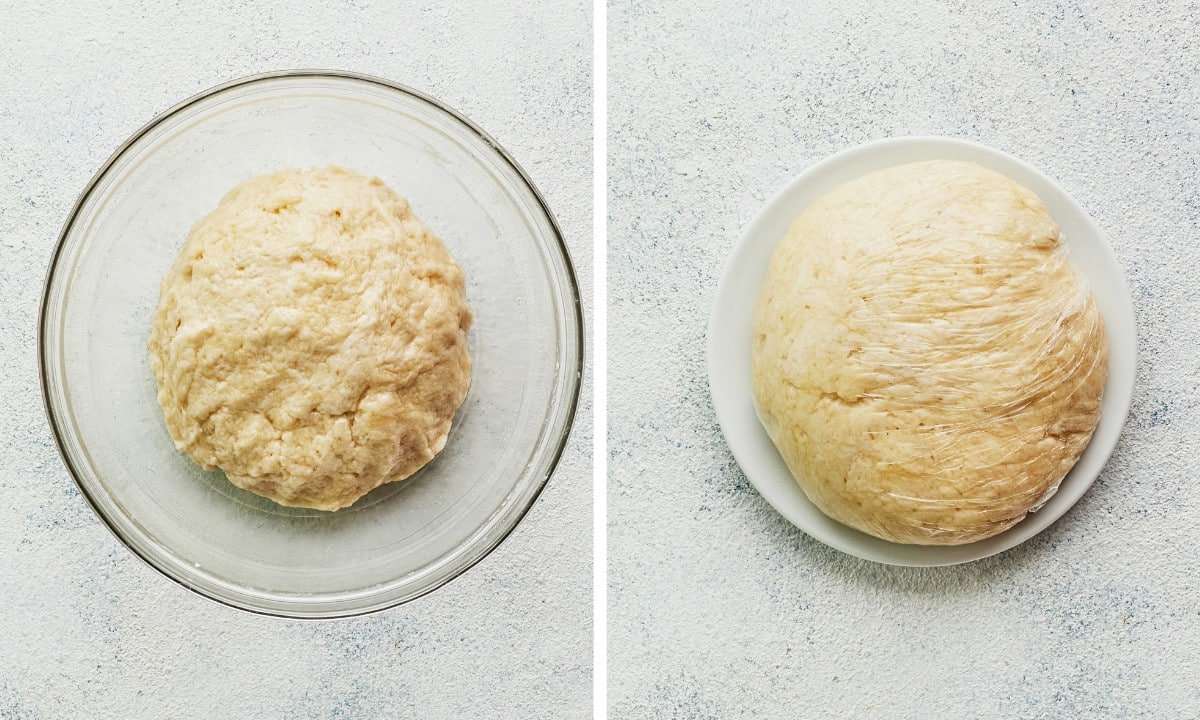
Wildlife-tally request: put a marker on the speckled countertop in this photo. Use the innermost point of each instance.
(719, 608)
(89, 631)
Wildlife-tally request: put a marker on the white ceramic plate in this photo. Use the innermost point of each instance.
(730, 329)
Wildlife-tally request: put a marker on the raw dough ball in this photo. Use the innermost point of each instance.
(926, 358)
(311, 339)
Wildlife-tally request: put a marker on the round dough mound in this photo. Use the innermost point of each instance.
(311, 339)
(926, 358)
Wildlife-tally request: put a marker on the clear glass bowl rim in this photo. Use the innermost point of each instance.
(572, 285)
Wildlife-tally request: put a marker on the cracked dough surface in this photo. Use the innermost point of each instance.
(311, 339)
(926, 357)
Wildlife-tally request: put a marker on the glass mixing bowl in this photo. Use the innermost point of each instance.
(404, 539)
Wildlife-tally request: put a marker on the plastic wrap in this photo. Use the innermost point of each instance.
(927, 359)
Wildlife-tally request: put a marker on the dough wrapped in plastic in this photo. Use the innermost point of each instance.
(926, 357)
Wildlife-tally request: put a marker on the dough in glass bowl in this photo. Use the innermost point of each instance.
(925, 356)
(311, 339)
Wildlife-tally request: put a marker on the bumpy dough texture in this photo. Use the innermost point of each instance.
(311, 339)
(926, 357)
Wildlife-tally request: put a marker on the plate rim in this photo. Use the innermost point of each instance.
(297, 609)
(841, 537)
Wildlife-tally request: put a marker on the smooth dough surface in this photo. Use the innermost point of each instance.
(926, 357)
(311, 339)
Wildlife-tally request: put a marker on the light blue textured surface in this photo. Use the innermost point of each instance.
(721, 609)
(86, 629)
